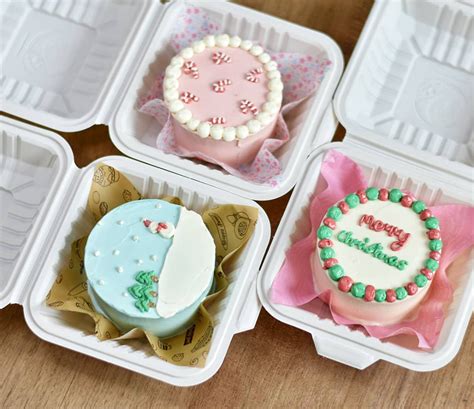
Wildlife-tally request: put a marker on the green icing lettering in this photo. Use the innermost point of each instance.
(356, 243)
(392, 261)
(364, 247)
(402, 264)
(342, 236)
(375, 249)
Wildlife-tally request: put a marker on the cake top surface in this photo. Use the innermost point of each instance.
(223, 87)
(380, 242)
(142, 259)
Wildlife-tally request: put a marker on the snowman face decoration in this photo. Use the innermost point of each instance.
(164, 229)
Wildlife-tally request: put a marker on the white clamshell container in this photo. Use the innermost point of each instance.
(72, 64)
(43, 198)
(406, 103)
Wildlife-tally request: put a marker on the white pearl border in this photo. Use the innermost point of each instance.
(218, 132)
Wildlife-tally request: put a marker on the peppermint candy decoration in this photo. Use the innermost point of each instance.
(217, 120)
(219, 57)
(164, 229)
(187, 97)
(191, 68)
(219, 86)
(252, 75)
(246, 106)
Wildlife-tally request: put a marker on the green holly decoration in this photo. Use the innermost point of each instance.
(143, 291)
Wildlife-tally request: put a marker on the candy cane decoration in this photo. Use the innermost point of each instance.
(252, 75)
(191, 68)
(219, 86)
(187, 97)
(220, 57)
(217, 120)
(246, 106)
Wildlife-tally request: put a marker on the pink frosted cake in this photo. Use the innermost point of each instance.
(377, 252)
(224, 95)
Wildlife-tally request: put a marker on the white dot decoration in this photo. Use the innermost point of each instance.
(97, 253)
(158, 206)
(101, 282)
(119, 269)
(120, 222)
(125, 294)
(139, 261)
(116, 252)
(135, 238)
(154, 257)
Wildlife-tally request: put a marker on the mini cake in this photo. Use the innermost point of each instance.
(149, 265)
(224, 95)
(377, 252)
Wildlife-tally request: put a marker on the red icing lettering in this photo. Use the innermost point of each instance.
(378, 226)
(392, 231)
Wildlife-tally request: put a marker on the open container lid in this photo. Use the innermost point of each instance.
(63, 63)
(409, 86)
(109, 51)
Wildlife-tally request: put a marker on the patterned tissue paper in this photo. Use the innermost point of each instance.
(294, 286)
(301, 75)
(109, 189)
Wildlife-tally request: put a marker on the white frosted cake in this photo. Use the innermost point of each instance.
(377, 252)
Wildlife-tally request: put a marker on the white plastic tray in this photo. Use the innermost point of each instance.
(409, 87)
(111, 52)
(410, 75)
(38, 174)
(339, 342)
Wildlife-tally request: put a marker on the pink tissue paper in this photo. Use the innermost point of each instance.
(294, 283)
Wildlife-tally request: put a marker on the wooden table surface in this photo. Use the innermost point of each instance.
(272, 366)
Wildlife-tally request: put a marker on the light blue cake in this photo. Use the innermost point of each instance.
(149, 265)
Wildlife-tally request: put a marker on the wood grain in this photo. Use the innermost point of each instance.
(272, 366)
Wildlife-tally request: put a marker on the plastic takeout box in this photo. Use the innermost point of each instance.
(69, 65)
(44, 198)
(406, 103)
